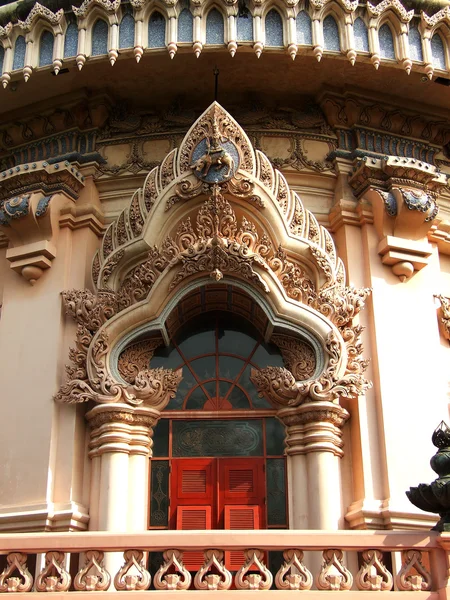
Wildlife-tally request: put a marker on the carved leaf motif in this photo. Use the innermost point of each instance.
(254, 559)
(333, 574)
(138, 579)
(136, 358)
(93, 576)
(373, 575)
(293, 575)
(23, 582)
(298, 356)
(220, 579)
(413, 575)
(53, 577)
(90, 310)
(179, 580)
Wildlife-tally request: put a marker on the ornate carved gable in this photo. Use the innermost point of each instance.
(216, 208)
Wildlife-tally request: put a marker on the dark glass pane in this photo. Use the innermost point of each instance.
(167, 357)
(187, 383)
(238, 399)
(185, 21)
(100, 38)
(161, 438)
(275, 435)
(71, 40)
(274, 29)
(46, 49)
(157, 31)
(224, 387)
(235, 342)
(159, 495)
(205, 368)
(275, 561)
(214, 27)
(210, 387)
(267, 355)
(244, 382)
(19, 53)
(276, 491)
(217, 438)
(126, 32)
(230, 367)
(196, 400)
(202, 342)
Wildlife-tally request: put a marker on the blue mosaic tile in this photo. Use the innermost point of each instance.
(386, 40)
(126, 32)
(19, 53)
(415, 44)
(46, 49)
(438, 52)
(274, 29)
(245, 26)
(2, 58)
(303, 27)
(156, 30)
(214, 27)
(185, 25)
(331, 39)
(71, 41)
(100, 38)
(361, 36)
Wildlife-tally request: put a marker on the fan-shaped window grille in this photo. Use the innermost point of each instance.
(361, 36)
(274, 29)
(214, 27)
(438, 52)
(217, 358)
(19, 53)
(331, 39)
(185, 25)
(100, 38)
(415, 44)
(2, 58)
(126, 32)
(303, 27)
(386, 40)
(71, 41)
(46, 49)
(157, 31)
(244, 26)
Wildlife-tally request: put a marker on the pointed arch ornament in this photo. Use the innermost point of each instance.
(216, 208)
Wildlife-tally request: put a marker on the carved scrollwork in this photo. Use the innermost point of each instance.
(136, 358)
(93, 576)
(293, 575)
(138, 579)
(254, 559)
(219, 578)
(445, 315)
(53, 577)
(88, 309)
(180, 580)
(373, 575)
(333, 574)
(185, 190)
(298, 356)
(413, 576)
(23, 581)
(341, 304)
(278, 385)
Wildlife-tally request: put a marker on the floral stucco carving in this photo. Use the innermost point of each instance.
(444, 315)
(136, 358)
(298, 356)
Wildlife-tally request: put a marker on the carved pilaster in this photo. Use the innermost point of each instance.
(403, 194)
(314, 427)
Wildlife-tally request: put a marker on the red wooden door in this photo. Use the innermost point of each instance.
(224, 493)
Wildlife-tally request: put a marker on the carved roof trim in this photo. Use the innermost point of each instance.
(443, 16)
(41, 12)
(386, 5)
(86, 7)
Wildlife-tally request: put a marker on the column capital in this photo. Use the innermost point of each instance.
(314, 427)
(121, 428)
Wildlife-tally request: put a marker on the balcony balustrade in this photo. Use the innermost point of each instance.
(314, 562)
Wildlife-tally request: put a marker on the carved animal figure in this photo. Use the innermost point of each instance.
(215, 157)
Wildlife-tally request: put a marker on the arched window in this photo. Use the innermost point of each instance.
(185, 26)
(386, 40)
(126, 32)
(415, 44)
(2, 58)
(71, 41)
(274, 29)
(361, 36)
(438, 52)
(331, 39)
(46, 49)
(303, 27)
(19, 53)
(245, 25)
(214, 27)
(100, 38)
(156, 30)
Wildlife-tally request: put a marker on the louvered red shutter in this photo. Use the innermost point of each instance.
(239, 517)
(193, 517)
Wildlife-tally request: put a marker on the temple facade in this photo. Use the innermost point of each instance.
(225, 296)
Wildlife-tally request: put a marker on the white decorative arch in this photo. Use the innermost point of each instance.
(215, 208)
